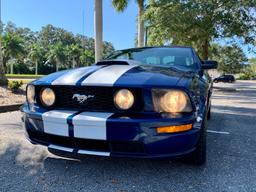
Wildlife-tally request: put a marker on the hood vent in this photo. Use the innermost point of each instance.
(118, 62)
(112, 62)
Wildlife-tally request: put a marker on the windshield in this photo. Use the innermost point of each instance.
(176, 57)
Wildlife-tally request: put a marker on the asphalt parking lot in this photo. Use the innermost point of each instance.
(231, 163)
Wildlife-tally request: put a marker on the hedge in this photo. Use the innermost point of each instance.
(23, 76)
(24, 81)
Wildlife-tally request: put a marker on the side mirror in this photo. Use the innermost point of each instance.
(209, 64)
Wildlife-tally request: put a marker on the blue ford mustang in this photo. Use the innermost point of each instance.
(147, 102)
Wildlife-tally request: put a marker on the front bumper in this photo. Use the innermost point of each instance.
(129, 135)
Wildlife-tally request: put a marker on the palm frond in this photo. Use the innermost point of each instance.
(120, 5)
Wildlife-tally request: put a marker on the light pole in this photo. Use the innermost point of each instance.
(98, 29)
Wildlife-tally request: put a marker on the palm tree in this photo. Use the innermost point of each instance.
(35, 54)
(3, 79)
(74, 52)
(12, 48)
(98, 29)
(87, 58)
(121, 5)
(57, 54)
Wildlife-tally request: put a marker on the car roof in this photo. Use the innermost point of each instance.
(150, 47)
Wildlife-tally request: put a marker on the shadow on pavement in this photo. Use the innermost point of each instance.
(239, 111)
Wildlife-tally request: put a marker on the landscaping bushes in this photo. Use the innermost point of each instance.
(14, 85)
(23, 76)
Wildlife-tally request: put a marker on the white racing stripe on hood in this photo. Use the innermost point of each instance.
(72, 76)
(107, 76)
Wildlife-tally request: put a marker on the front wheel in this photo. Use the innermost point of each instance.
(198, 157)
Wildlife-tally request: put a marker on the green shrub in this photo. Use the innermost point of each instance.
(28, 76)
(246, 76)
(14, 85)
(25, 81)
(243, 77)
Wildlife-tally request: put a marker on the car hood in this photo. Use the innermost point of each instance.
(116, 75)
(148, 76)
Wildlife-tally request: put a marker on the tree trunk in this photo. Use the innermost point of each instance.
(98, 29)
(12, 68)
(4, 59)
(57, 64)
(3, 79)
(36, 71)
(141, 29)
(206, 50)
(73, 62)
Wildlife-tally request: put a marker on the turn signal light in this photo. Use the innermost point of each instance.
(174, 129)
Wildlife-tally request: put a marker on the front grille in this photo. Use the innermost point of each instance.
(127, 147)
(102, 100)
(134, 147)
(74, 143)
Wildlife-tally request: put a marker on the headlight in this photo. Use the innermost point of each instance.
(31, 94)
(124, 99)
(47, 97)
(172, 101)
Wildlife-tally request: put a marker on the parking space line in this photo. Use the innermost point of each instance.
(218, 132)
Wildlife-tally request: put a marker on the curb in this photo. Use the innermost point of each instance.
(9, 108)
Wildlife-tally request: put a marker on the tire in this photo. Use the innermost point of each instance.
(198, 157)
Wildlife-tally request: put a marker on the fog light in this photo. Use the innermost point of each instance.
(174, 128)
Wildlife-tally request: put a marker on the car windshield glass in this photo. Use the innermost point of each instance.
(169, 57)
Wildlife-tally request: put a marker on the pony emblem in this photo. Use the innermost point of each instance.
(82, 98)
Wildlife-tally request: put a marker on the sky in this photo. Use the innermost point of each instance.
(118, 28)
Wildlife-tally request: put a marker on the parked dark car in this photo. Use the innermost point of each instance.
(225, 79)
(150, 102)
